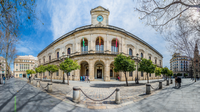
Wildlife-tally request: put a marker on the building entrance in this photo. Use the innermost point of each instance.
(99, 73)
(24, 75)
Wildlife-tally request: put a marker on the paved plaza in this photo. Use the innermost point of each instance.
(32, 99)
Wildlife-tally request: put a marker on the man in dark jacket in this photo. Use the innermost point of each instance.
(179, 82)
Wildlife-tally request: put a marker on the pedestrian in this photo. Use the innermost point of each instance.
(4, 78)
(176, 81)
(88, 79)
(179, 82)
(81, 78)
(118, 77)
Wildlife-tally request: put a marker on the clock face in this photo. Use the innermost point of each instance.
(99, 18)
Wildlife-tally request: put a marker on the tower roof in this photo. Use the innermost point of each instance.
(99, 8)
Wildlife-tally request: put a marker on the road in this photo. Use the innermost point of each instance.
(32, 99)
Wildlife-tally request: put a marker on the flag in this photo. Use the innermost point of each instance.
(99, 41)
(83, 42)
(116, 41)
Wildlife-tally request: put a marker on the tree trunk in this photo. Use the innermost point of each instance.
(63, 78)
(147, 78)
(51, 77)
(67, 79)
(126, 79)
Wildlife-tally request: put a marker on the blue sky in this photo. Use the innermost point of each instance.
(62, 16)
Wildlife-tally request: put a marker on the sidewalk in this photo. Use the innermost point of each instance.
(100, 90)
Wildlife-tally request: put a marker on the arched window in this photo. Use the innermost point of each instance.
(68, 51)
(130, 52)
(155, 61)
(84, 45)
(149, 57)
(141, 55)
(57, 55)
(115, 45)
(99, 44)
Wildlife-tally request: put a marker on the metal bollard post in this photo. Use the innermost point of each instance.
(49, 87)
(160, 85)
(76, 94)
(167, 83)
(117, 96)
(171, 81)
(38, 84)
(148, 88)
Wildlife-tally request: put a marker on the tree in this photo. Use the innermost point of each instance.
(30, 72)
(165, 71)
(67, 66)
(13, 15)
(41, 69)
(177, 20)
(170, 73)
(124, 64)
(52, 69)
(157, 71)
(37, 70)
(147, 66)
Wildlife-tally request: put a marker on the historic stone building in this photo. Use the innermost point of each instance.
(180, 64)
(94, 47)
(23, 63)
(3, 67)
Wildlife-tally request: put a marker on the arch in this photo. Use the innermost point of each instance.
(99, 69)
(84, 45)
(115, 45)
(141, 55)
(84, 69)
(99, 44)
(70, 45)
(57, 53)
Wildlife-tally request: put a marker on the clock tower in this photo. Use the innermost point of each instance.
(99, 17)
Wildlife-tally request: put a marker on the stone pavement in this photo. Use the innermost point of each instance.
(100, 90)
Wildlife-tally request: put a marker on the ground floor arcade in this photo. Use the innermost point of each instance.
(97, 67)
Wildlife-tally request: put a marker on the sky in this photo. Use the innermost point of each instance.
(62, 16)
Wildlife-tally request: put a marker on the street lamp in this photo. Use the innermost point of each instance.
(137, 59)
(63, 71)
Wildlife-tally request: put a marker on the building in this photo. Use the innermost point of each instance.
(3, 67)
(180, 64)
(196, 69)
(23, 63)
(94, 47)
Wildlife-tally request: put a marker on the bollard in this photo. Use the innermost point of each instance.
(76, 94)
(167, 82)
(38, 84)
(148, 88)
(117, 96)
(160, 85)
(31, 81)
(171, 81)
(49, 87)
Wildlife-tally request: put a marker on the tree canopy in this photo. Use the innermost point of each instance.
(124, 64)
(157, 71)
(30, 71)
(52, 69)
(147, 66)
(67, 66)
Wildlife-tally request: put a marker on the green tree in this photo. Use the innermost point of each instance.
(67, 66)
(147, 66)
(165, 71)
(170, 74)
(157, 71)
(52, 69)
(124, 64)
(30, 72)
(41, 69)
(37, 70)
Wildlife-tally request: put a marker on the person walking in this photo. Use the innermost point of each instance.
(4, 78)
(81, 78)
(88, 79)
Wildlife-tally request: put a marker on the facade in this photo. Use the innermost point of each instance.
(180, 64)
(3, 67)
(196, 70)
(94, 47)
(23, 63)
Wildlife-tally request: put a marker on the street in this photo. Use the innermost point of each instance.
(32, 99)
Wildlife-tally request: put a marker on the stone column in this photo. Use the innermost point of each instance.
(77, 75)
(91, 70)
(107, 72)
(122, 76)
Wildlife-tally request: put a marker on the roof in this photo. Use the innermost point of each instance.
(95, 9)
(108, 27)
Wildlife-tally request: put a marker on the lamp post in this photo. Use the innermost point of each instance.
(137, 80)
(63, 71)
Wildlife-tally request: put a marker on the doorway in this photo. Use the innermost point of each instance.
(24, 75)
(99, 73)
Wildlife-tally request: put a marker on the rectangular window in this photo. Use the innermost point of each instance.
(57, 55)
(49, 74)
(49, 58)
(149, 74)
(57, 73)
(16, 69)
(16, 64)
(141, 73)
(130, 74)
